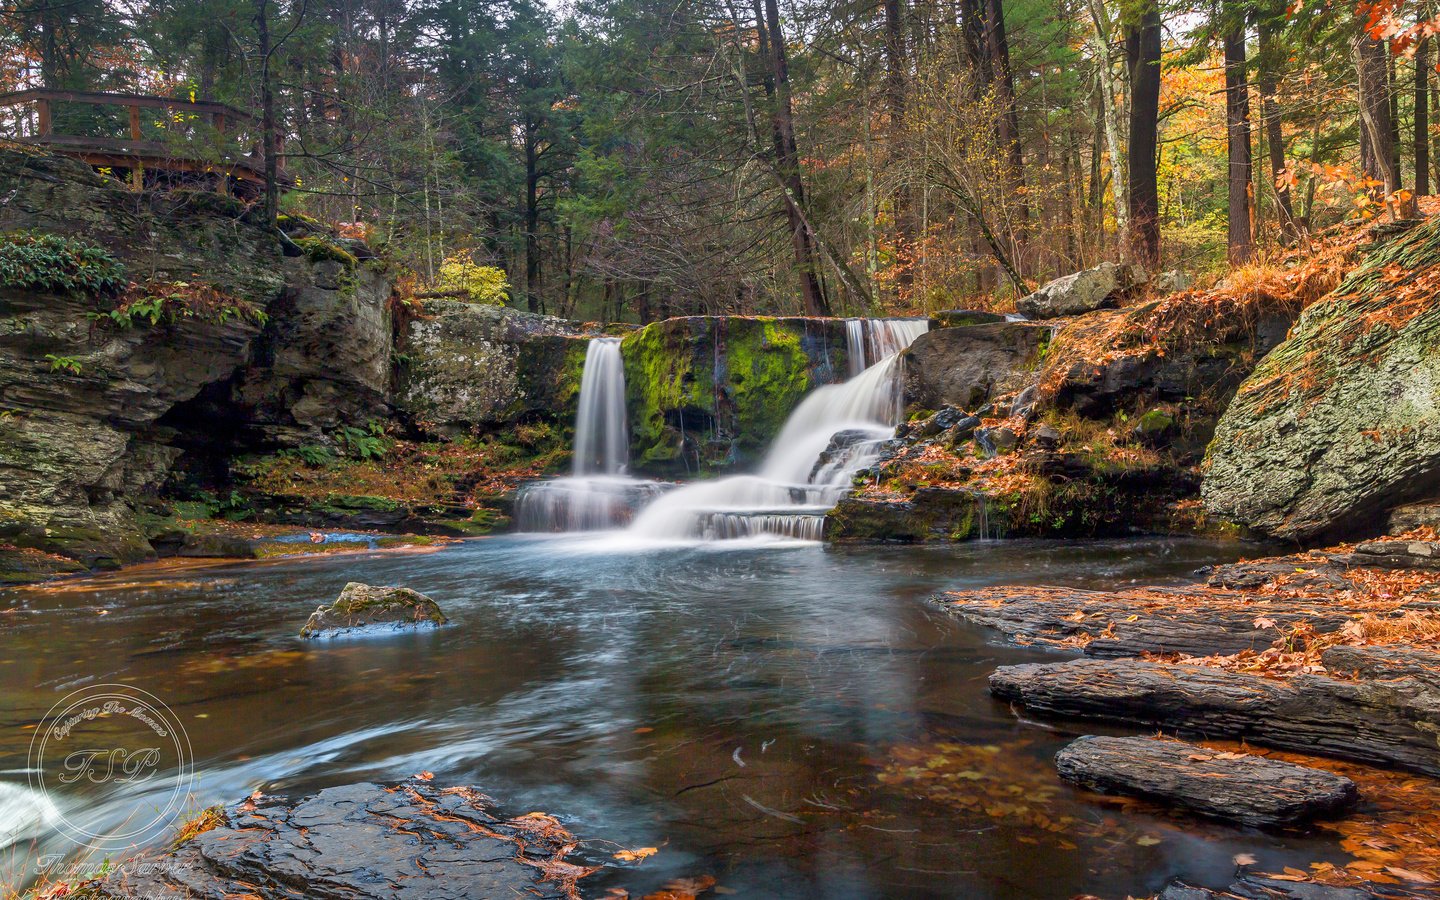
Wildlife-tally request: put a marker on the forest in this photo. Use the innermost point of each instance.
(631, 160)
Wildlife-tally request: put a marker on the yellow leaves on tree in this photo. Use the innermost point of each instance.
(485, 285)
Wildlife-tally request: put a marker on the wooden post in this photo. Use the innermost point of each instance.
(137, 171)
(222, 186)
(42, 110)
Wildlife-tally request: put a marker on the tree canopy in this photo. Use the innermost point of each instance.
(632, 159)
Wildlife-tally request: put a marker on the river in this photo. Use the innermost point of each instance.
(793, 720)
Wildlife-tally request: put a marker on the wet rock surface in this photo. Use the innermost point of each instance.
(966, 367)
(364, 607)
(1393, 723)
(412, 840)
(1233, 787)
(1187, 621)
(707, 393)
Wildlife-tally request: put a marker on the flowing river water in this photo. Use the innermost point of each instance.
(793, 720)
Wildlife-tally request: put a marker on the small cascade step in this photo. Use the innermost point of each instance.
(583, 504)
(797, 523)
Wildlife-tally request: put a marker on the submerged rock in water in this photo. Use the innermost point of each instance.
(1096, 288)
(1234, 787)
(364, 606)
(412, 840)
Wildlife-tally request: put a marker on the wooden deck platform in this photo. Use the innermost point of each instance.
(212, 143)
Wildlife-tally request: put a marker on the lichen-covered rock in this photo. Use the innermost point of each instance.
(708, 392)
(465, 366)
(1340, 422)
(364, 607)
(967, 366)
(1082, 292)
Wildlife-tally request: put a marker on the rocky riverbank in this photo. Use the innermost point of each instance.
(1333, 653)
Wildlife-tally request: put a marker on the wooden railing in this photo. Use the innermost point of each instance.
(200, 138)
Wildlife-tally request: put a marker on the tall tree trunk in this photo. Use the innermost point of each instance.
(1007, 129)
(1394, 95)
(268, 138)
(1270, 115)
(788, 163)
(532, 220)
(896, 70)
(1110, 116)
(1142, 42)
(1422, 118)
(1377, 145)
(972, 30)
(1241, 241)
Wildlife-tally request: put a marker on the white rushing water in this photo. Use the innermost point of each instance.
(602, 441)
(598, 495)
(836, 430)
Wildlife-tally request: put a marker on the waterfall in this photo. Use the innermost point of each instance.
(602, 443)
(597, 495)
(867, 341)
(836, 430)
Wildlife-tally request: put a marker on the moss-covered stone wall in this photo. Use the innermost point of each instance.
(708, 393)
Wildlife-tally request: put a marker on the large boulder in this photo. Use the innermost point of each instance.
(324, 358)
(1340, 422)
(365, 607)
(1103, 286)
(465, 367)
(966, 366)
(707, 392)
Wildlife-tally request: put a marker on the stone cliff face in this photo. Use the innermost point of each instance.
(94, 411)
(467, 368)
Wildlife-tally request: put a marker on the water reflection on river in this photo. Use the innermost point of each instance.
(763, 715)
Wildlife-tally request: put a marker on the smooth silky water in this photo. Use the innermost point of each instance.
(734, 704)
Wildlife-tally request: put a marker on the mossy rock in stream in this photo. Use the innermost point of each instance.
(708, 392)
(369, 607)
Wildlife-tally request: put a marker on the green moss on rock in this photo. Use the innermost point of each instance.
(711, 392)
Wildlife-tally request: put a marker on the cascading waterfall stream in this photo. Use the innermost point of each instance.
(835, 431)
(601, 439)
(598, 495)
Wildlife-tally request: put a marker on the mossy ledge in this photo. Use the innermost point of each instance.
(709, 393)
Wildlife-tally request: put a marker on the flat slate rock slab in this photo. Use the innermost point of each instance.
(410, 841)
(1234, 787)
(1391, 723)
(1190, 621)
(1255, 886)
